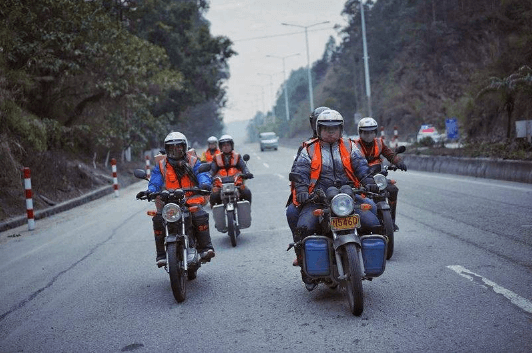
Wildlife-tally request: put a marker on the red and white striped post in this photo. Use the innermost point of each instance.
(115, 178)
(148, 166)
(29, 199)
(382, 133)
(395, 136)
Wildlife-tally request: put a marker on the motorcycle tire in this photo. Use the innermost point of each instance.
(351, 266)
(231, 227)
(176, 271)
(388, 229)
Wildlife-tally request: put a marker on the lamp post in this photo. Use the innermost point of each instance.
(284, 74)
(311, 95)
(272, 100)
(366, 66)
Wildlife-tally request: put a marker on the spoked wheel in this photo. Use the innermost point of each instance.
(231, 227)
(176, 271)
(351, 266)
(388, 228)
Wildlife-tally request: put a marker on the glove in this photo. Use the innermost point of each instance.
(401, 166)
(302, 197)
(248, 175)
(205, 187)
(142, 194)
(372, 187)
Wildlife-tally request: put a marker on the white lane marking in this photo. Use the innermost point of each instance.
(280, 176)
(514, 298)
(266, 165)
(258, 157)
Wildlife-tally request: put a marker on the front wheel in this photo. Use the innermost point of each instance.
(388, 228)
(176, 271)
(231, 227)
(351, 265)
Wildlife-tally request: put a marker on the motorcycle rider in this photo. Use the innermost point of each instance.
(211, 151)
(373, 147)
(330, 161)
(229, 163)
(179, 169)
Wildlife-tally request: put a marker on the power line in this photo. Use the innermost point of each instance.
(281, 35)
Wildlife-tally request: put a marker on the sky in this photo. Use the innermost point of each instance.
(255, 28)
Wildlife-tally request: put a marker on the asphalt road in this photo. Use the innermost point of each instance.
(460, 279)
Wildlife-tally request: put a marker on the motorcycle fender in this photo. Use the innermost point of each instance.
(171, 239)
(230, 207)
(383, 206)
(346, 239)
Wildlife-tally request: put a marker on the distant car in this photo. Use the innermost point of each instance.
(268, 140)
(428, 130)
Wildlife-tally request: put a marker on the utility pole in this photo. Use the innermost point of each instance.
(285, 81)
(366, 66)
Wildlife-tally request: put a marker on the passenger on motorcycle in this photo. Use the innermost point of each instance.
(211, 151)
(330, 161)
(179, 169)
(373, 147)
(229, 163)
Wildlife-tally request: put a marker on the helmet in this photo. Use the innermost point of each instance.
(367, 124)
(226, 138)
(212, 139)
(329, 118)
(314, 115)
(172, 139)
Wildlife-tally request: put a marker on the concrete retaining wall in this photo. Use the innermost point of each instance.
(520, 171)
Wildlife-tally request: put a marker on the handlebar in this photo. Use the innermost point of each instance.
(178, 193)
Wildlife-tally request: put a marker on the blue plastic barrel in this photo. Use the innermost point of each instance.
(317, 257)
(374, 254)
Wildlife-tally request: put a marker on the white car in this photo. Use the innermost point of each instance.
(428, 130)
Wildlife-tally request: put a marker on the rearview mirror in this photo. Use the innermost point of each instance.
(400, 149)
(245, 157)
(141, 174)
(204, 167)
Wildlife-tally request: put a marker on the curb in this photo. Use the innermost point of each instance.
(93, 195)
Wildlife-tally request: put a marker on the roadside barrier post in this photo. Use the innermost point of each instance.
(29, 199)
(148, 166)
(395, 136)
(382, 133)
(115, 178)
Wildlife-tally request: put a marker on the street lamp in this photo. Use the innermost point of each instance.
(284, 74)
(311, 95)
(366, 66)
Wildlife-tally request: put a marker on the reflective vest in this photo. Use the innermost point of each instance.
(230, 169)
(208, 156)
(314, 152)
(172, 181)
(373, 154)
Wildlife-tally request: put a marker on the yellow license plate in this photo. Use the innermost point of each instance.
(343, 223)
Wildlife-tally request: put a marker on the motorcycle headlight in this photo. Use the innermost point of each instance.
(228, 188)
(171, 212)
(381, 182)
(342, 205)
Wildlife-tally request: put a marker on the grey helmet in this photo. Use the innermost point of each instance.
(367, 124)
(175, 138)
(226, 138)
(314, 115)
(212, 139)
(329, 118)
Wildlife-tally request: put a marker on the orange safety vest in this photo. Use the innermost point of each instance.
(227, 170)
(314, 151)
(172, 181)
(208, 156)
(373, 155)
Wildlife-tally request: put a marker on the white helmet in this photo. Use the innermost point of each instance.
(175, 138)
(367, 124)
(226, 138)
(212, 139)
(329, 118)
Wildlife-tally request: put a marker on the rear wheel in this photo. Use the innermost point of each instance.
(176, 271)
(231, 227)
(351, 265)
(388, 228)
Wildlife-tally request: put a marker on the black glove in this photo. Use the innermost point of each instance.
(205, 187)
(248, 176)
(372, 187)
(301, 197)
(401, 166)
(142, 194)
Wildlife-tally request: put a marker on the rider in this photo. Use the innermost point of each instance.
(372, 147)
(179, 169)
(292, 211)
(229, 163)
(211, 151)
(329, 161)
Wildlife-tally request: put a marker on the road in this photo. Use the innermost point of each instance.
(460, 279)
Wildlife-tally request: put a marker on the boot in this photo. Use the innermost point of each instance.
(205, 248)
(159, 247)
(393, 207)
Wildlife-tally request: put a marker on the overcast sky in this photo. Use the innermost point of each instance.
(255, 28)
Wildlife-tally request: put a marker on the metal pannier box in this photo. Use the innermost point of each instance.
(218, 213)
(244, 214)
(316, 256)
(373, 254)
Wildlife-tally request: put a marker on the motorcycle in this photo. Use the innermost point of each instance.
(339, 255)
(379, 173)
(233, 214)
(183, 259)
